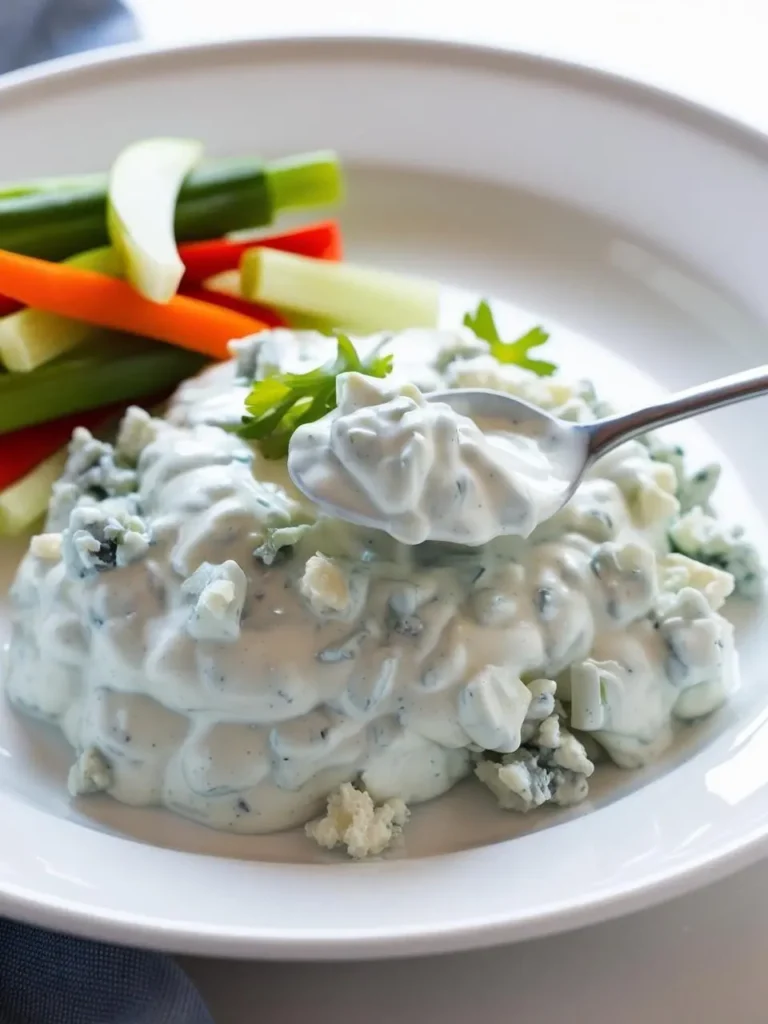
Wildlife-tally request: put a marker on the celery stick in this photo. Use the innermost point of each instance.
(141, 201)
(357, 298)
(290, 187)
(24, 502)
(228, 282)
(32, 337)
(112, 368)
(307, 322)
(216, 198)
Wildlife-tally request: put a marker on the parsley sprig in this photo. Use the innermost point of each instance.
(278, 405)
(484, 326)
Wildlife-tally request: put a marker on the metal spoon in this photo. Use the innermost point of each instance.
(571, 447)
(581, 444)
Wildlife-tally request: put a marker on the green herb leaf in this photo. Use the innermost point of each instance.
(278, 405)
(484, 326)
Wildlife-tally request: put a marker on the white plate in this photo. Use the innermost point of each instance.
(634, 225)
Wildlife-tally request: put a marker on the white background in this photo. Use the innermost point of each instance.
(702, 958)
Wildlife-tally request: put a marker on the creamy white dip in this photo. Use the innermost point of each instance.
(419, 470)
(207, 641)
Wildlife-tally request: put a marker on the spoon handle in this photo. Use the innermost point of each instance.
(606, 434)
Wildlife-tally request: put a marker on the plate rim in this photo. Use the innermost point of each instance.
(376, 943)
(733, 131)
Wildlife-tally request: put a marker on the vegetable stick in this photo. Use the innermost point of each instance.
(24, 449)
(110, 368)
(205, 259)
(269, 317)
(97, 299)
(357, 298)
(24, 502)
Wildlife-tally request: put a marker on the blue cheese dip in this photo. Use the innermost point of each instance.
(208, 641)
(421, 471)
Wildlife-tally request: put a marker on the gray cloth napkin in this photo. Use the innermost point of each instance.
(36, 30)
(47, 978)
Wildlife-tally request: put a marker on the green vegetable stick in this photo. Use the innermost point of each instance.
(24, 502)
(112, 368)
(354, 298)
(216, 198)
(32, 337)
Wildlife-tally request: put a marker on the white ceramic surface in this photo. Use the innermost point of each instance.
(633, 223)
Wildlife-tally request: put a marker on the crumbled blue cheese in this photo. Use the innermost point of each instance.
(570, 400)
(91, 773)
(678, 571)
(218, 594)
(92, 467)
(705, 539)
(701, 656)
(353, 820)
(662, 450)
(492, 709)
(137, 430)
(567, 751)
(542, 702)
(649, 487)
(522, 783)
(627, 577)
(694, 489)
(326, 586)
(96, 540)
(46, 546)
(552, 767)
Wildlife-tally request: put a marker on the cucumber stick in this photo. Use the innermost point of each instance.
(112, 368)
(351, 297)
(217, 197)
(141, 202)
(13, 189)
(32, 337)
(26, 501)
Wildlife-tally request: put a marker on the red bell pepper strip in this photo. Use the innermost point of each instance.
(264, 314)
(206, 259)
(8, 306)
(25, 449)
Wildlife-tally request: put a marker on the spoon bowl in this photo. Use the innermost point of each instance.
(563, 443)
(539, 476)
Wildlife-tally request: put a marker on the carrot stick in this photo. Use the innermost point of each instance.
(206, 259)
(85, 295)
(24, 449)
(263, 313)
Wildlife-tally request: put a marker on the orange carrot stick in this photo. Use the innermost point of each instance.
(97, 299)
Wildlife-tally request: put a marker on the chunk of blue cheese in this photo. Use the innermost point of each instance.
(354, 821)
